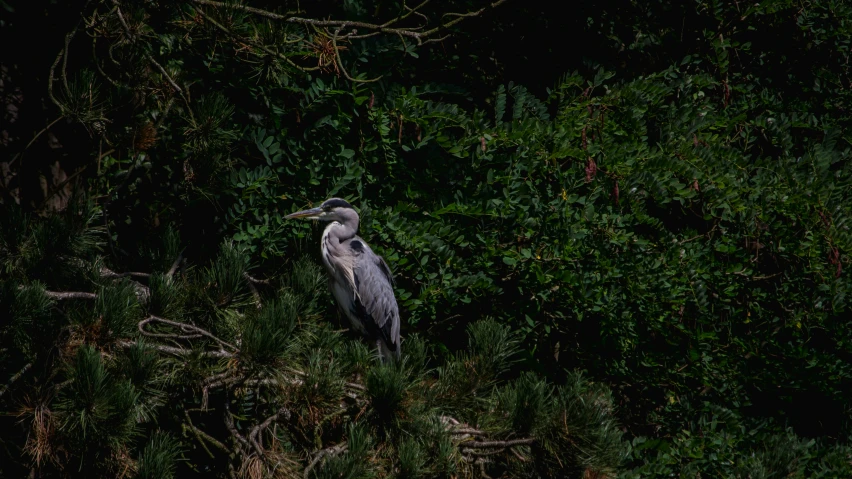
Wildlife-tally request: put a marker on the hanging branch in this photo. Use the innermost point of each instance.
(387, 27)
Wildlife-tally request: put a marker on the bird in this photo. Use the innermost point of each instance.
(359, 279)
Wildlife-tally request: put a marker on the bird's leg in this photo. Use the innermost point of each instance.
(379, 347)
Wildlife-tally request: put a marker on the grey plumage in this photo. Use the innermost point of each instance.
(359, 279)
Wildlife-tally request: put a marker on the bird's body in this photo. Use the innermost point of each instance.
(359, 279)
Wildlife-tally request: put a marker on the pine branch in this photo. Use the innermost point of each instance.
(327, 452)
(475, 445)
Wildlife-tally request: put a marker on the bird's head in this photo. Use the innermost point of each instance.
(334, 209)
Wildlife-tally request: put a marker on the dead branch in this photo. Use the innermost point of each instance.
(255, 432)
(70, 295)
(499, 444)
(175, 264)
(185, 328)
(203, 436)
(14, 378)
(252, 279)
(180, 352)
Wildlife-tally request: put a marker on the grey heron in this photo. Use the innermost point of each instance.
(360, 280)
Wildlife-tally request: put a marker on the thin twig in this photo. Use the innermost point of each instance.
(43, 130)
(50, 77)
(185, 327)
(176, 263)
(340, 61)
(165, 74)
(130, 36)
(258, 45)
(64, 72)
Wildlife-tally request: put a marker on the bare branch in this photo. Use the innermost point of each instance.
(499, 444)
(203, 436)
(145, 321)
(255, 432)
(186, 328)
(254, 292)
(255, 280)
(229, 423)
(180, 352)
(108, 273)
(258, 45)
(165, 74)
(411, 32)
(175, 264)
(236, 6)
(70, 295)
(14, 378)
(130, 36)
(340, 61)
(460, 17)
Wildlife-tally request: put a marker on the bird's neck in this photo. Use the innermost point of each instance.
(340, 231)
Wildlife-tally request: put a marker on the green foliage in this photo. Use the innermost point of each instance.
(165, 299)
(671, 219)
(226, 275)
(411, 459)
(268, 335)
(31, 322)
(117, 310)
(386, 387)
(352, 464)
(525, 404)
(95, 409)
(158, 459)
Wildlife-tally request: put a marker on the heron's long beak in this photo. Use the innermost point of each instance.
(312, 213)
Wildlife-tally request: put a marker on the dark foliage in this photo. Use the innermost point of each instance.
(654, 193)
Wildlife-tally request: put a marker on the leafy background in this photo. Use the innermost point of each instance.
(654, 194)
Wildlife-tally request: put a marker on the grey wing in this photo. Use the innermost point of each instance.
(375, 303)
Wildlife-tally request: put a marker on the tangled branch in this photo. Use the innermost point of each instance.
(417, 32)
